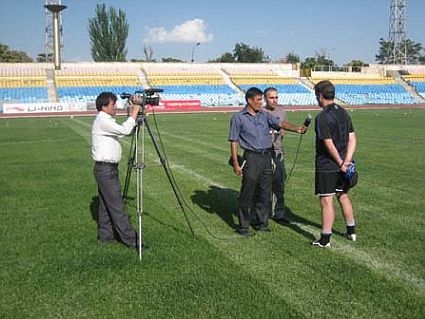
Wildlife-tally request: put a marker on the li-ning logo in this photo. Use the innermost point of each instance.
(45, 108)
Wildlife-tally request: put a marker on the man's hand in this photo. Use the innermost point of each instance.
(136, 99)
(134, 110)
(302, 129)
(237, 170)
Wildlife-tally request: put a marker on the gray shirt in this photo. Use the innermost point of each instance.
(252, 132)
(277, 136)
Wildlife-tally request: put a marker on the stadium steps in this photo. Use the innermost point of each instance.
(143, 79)
(51, 87)
(309, 84)
(399, 79)
(229, 82)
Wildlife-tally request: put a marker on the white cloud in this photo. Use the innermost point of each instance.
(189, 31)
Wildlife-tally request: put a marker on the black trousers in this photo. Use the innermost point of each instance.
(113, 222)
(254, 198)
(278, 186)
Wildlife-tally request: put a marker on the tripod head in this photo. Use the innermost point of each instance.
(146, 97)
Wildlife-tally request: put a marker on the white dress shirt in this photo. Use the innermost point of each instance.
(106, 132)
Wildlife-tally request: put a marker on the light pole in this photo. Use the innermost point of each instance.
(193, 51)
(329, 57)
(56, 9)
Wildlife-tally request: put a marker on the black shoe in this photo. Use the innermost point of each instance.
(104, 242)
(144, 246)
(264, 228)
(321, 244)
(244, 232)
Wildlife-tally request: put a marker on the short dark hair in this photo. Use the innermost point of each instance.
(270, 88)
(103, 99)
(251, 92)
(326, 88)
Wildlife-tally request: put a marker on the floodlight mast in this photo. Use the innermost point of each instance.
(56, 9)
(397, 32)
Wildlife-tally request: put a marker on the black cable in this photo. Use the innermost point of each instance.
(295, 160)
(179, 191)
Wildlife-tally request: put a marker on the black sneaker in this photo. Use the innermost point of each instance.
(321, 244)
(352, 237)
(244, 233)
(264, 228)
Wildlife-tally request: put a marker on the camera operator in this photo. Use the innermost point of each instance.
(113, 222)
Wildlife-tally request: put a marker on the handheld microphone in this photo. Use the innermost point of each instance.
(307, 120)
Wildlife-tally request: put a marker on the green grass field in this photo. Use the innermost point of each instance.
(52, 267)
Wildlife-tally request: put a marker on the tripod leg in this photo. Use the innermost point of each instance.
(169, 175)
(139, 168)
(139, 189)
(130, 164)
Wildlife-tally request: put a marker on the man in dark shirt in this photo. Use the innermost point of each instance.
(335, 147)
(250, 128)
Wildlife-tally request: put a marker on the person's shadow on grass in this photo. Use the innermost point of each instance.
(294, 222)
(220, 201)
(94, 208)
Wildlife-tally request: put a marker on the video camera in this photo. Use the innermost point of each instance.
(148, 97)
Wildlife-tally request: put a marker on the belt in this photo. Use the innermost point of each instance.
(106, 164)
(260, 152)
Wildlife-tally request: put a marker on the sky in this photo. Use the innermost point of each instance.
(342, 30)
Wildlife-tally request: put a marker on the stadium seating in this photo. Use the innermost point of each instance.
(417, 82)
(203, 82)
(213, 84)
(370, 90)
(291, 91)
(23, 83)
(83, 82)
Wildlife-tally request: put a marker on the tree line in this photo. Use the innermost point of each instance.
(108, 31)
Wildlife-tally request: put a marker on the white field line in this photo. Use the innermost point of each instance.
(382, 266)
(349, 249)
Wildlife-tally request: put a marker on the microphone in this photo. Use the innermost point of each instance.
(307, 120)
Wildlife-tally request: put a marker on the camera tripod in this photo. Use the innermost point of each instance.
(134, 163)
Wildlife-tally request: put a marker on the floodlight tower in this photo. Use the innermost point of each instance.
(397, 35)
(54, 36)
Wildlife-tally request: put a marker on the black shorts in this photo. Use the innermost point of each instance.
(330, 183)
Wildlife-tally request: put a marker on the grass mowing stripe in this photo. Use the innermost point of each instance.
(384, 268)
(80, 127)
(276, 275)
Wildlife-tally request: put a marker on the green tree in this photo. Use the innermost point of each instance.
(356, 65)
(318, 63)
(13, 56)
(291, 57)
(108, 35)
(243, 53)
(226, 57)
(171, 60)
(413, 52)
